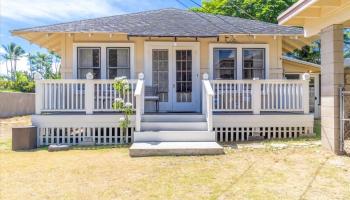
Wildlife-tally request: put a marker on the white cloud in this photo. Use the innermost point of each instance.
(2, 50)
(22, 65)
(24, 10)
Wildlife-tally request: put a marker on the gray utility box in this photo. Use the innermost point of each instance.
(24, 138)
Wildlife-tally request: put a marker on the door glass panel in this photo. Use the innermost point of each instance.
(160, 73)
(183, 76)
(312, 96)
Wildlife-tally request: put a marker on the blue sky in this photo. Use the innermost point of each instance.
(27, 13)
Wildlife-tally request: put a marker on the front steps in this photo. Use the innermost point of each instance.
(165, 135)
(140, 149)
(174, 136)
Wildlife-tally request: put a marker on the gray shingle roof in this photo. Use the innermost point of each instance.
(169, 22)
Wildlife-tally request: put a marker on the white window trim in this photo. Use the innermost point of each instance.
(239, 48)
(103, 54)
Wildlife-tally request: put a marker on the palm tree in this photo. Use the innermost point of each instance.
(13, 52)
(6, 57)
(56, 61)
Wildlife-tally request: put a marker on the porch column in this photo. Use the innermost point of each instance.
(332, 77)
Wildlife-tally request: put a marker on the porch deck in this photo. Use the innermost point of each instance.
(67, 111)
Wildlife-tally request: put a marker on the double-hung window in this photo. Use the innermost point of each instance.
(89, 60)
(118, 62)
(225, 63)
(253, 63)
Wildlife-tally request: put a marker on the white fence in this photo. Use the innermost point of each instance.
(261, 95)
(79, 95)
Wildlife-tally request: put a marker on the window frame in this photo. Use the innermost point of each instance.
(239, 48)
(77, 62)
(254, 68)
(103, 57)
(226, 68)
(107, 61)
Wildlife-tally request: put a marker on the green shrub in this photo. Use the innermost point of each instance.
(23, 83)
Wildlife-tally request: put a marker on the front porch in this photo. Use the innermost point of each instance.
(67, 111)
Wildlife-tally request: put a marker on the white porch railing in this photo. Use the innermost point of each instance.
(78, 95)
(261, 95)
(207, 103)
(139, 94)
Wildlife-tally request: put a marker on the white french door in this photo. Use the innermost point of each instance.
(174, 75)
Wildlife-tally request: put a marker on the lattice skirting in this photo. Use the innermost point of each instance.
(231, 134)
(75, 135)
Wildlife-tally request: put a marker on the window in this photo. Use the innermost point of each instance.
(253, 63)
(292, 76)
(225, 63)
(118, 62)
(89, 60)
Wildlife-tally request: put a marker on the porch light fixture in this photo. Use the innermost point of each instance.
(110, 35)
(90, 35)
(274, 37)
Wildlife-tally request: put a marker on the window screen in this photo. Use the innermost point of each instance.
(253, 63)
(225, 63)
(118, 62)
(89, 60)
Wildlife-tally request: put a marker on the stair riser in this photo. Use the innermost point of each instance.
(174, 152)
(171, 126)
(173, 118)
(180, 136)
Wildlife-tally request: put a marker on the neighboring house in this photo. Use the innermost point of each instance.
(294, 69)
(209, 73)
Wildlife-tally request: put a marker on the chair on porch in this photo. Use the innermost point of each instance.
(151, 94)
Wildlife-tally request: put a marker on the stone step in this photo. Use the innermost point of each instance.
(174, 136)
(174, 126)
(173, 118)
(141, 149)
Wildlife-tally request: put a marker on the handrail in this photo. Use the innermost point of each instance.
(79, 95)
(207, 99)
(139, 95)
(268, 95)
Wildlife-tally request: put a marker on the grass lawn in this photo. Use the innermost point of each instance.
(272, 170)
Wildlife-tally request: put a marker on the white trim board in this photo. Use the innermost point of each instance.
(103, 52)
(239, 48)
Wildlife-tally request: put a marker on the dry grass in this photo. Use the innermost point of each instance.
(295, 172)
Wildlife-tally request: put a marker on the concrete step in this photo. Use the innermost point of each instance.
(174, 126)
(140, 149)
(173, 118)
(174, 136)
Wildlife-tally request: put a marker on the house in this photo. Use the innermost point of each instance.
(217, 78)
(294, 69)
(328, 20)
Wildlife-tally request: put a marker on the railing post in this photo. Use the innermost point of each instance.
(38, 93)
(89, 94)
(256, 97)
(306, 106)
(207, 99)
(139, 94)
